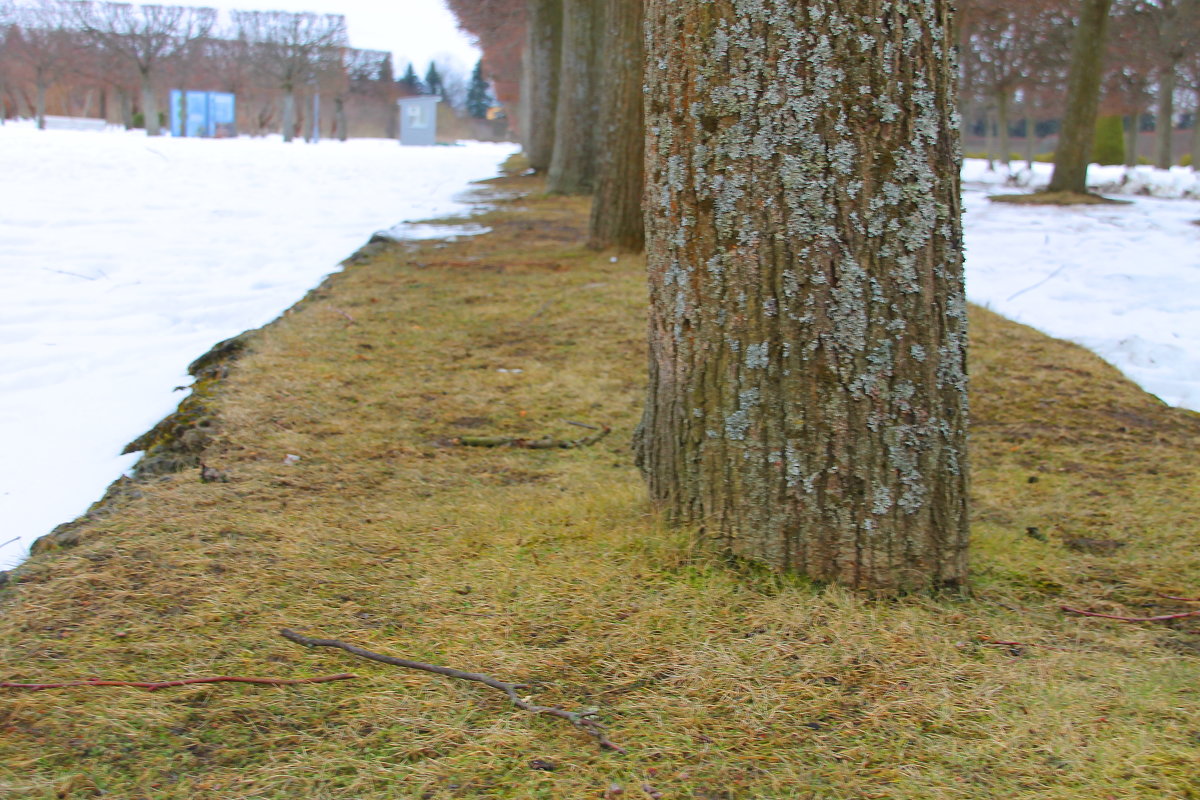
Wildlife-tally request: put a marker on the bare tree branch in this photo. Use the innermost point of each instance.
(584, 720)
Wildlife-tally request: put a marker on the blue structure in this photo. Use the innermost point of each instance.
(418, 120)
(209, 114)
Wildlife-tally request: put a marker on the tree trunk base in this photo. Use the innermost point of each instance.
(1057, 199)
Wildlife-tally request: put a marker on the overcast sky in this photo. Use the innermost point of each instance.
(413, 30)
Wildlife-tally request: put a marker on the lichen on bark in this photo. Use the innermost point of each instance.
(807, 403)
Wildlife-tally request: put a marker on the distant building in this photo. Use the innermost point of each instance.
(418, 119)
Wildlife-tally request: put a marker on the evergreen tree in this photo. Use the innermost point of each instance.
(411, 82)
(433, 81)
(479, 95)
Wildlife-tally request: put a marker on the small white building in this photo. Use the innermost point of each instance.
(418, 120)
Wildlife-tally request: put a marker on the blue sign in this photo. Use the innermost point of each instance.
(209, 114)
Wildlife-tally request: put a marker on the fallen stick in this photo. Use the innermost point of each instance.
(582, 720)
(988, 641)
(1159, 618)
(154, 686)
(1180, 599)
(545, 443)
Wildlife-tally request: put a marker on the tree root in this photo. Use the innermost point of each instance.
(545, 443)
(155, 686)
(584, 720)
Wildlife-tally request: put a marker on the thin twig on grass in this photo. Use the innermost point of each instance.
(1180, 599)
(1159, 618)
(988, 641)
(582, 720)
(154, 686)
(545, 443)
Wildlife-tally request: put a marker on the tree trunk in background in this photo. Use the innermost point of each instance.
(339, 119)
(289, 115)
(1164, 118)
(807, 394)
(543, 53)
(39, 112)
(1083, 98)
(1002, 124)
(617, 219)
(1196, 134)
(989, 139)
(1030, 141)
(126, 108)
(573, 164)
(149, 106)
(1131, 140)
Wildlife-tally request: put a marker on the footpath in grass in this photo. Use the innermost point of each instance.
(343, 505)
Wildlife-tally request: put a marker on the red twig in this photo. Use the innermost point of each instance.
(1180, 599)
(1159, 618)
(584, 720)
(155, 686)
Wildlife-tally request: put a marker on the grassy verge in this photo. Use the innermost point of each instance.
(545, 566)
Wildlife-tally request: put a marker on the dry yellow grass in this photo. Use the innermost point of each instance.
(546, 566)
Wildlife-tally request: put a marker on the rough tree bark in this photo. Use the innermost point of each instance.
(572, 165)
(617, 219)
(539, 101)
(807, 402)
(1083, 99)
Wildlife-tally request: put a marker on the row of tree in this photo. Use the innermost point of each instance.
(1015, 56)
(807, 396)
(274, 61)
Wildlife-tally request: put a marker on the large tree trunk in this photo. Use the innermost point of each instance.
(543, 51)
(807, 397)
(149, 106)
(573, 163)
(617, 219)
(1165, 118)
(1083, 98)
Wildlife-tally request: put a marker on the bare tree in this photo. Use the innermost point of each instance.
(1083, 99)
(292, 49)
(572, 164)
(43, 40)
(146, 36)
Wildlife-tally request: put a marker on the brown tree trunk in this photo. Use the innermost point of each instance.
(617, 219)
(1083, 98)
(543, 55)
(1164, 119)
(807, 397)
(572, 165)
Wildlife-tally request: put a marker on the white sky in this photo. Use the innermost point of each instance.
(413, 30)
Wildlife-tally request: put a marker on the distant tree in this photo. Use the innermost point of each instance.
(616, 218)
(572, 165)
(1175, 27)
(146, 36)
(293, 50)
(410, 82)
(433, 81)
(542, 77)
(1083, 98)
(1129, 71)
(479, 95)
(43, 38)
(499, 27)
